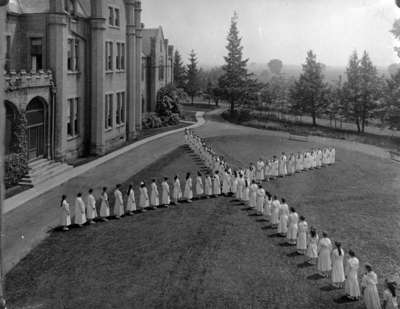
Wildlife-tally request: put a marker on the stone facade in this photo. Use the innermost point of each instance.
(158, 66)
(74, 68)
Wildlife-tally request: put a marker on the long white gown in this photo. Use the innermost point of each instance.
(302, 236)
(104, 206)
(131, 202)
(119, 203)
(199, 186)
(337, 266)
(91, 211)
(275, 212)
(225, 183)
(293, 226)
(165, 197)
(216, 185)
(324, 254)
(312, 248)
(371, 296)
(208, 186)
(391, 301)
(65, 214)
(177, 190)
(260, 200)
(80, 211)
(283, 218)
(234, 184)
(267, 206)
(253, 195)
(188, 193)
(239, 189)
(144, 201)
(352, 287)
(154, 195)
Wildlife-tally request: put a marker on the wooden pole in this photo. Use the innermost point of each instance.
(3, 12)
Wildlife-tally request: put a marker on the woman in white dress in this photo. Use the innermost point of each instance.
(65, 214)
(260, 200)
(253, 194)
(225, 183)
(324, 255)
(234, 182)
(337, 266)
(154, 195)
(188, 193)
(104, 206)
(267, 205)
(240, 187)
(302, 236)
(312, 248)
(80, 211)
(199, 185)
(283, 218)
(293, 226)
(119, 202)
(91, 211)
(352, 287)
(275, 212)
(165, 194)
(369, 289)
(130, 202)
(216, 185)
(144, 201)
(390, 295)
(177, 190)
(246, 191)
(208, 186)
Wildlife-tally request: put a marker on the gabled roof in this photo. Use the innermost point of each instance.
(148, 34)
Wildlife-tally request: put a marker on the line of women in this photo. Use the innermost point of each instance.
(318, 249)
(264, 170)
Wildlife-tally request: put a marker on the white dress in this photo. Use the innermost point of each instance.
(371, 296)
(104, 206)
(302, 236)
(131, 202)
(208, 186)
(80, 211)
(283, 219)
(260, 200)
(391, 302)
(312, 249)
(275, 212)
(91, 207)
(253, 195)
(246, 194)
(199, 186)
(352, 287)
(144, 200)
(216, 185)
(324, 254)
(239, 190)
(65, 214)
(225, 183)
(177, 191)
(165, 198)
(293, 226)
(234, 184)
(119, 204)
(154, 195)
(337, 266)
(188, 193)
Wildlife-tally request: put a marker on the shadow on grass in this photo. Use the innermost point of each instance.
(284, 244)
(304, 265)
(293, 254)
(262, 220)
(275, 235)
(344, 300)
(315, 277)
(267, 227)
(328, 288)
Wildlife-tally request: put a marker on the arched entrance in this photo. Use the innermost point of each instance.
(36, 129)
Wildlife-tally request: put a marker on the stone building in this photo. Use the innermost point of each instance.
(74, 70)
(157, 62)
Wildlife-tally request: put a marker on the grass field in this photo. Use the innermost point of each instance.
(214, 253)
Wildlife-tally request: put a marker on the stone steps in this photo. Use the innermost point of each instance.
(42, 170)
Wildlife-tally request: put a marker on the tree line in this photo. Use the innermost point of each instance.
(360, 96)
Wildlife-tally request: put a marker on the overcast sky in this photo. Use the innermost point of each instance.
(283, 29)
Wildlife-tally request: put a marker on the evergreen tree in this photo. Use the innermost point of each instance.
(233, 81)
(308, 94)
(179, 71)
(391, 108)
(192, 76)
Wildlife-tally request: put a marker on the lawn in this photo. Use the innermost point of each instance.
(214, 253)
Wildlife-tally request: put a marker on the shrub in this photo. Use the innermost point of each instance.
(151, 121)
(16, 167)
(168, 100)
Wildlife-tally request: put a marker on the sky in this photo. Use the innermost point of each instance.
(283, 29)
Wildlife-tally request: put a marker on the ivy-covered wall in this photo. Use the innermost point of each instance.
(16, 163)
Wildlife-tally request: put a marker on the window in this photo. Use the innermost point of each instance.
(143, 69)
(161, 69)
(108, 111)
(8, 49)
(116, 19)
(36, 54)
(120, 111)
(120, 58)
(73, 117)
(73, 55)
(111, 16)
(109, 56)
